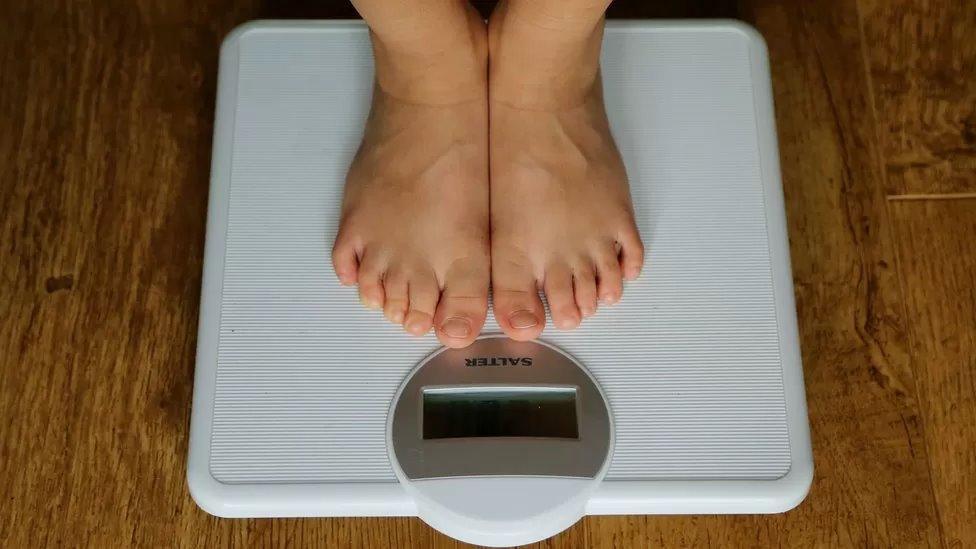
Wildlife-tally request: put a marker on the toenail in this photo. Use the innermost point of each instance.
(523, 319)
(456, 327)
(567, 323)
(370, 303)
(610, 299)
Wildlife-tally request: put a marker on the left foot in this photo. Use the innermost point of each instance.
(561, 214)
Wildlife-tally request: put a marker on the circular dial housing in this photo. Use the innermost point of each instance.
(502, 442)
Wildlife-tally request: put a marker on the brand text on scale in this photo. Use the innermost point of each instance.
(498, 361)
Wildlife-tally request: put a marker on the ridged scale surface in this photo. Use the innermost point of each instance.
(689, 358)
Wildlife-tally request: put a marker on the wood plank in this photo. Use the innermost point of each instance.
(922, 58)
(937, 262)
(107, 111)
(871, 486)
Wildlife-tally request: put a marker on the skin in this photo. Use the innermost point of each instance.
(424, 230)
(414, 228)
(561, 215)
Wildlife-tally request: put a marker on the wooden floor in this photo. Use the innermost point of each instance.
(105, 125)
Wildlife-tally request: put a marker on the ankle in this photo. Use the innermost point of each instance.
(439, 62)
(543, 59)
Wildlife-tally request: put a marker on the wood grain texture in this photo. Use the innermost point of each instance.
(106, 115)
(937, 260)
(107, 112)
(922, 59)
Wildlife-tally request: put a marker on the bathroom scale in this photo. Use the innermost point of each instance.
(685, 397)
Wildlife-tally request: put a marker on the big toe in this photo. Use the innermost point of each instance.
(518, 309)
(463, 305)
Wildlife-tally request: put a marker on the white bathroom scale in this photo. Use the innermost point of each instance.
(685, 397)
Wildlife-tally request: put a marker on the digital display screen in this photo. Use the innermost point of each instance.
(461, 412)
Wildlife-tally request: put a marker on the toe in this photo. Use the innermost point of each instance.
(344, 260)
(609, 280)
(370, 279)
(395, 288)
(631, 252)
(584, 286)
(562, 301)
(518, 309)
(463, 304)
(423, 292)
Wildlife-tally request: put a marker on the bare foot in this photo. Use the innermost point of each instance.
(414, 230)
(561, 214)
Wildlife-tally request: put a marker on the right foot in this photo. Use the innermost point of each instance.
(414, 229)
